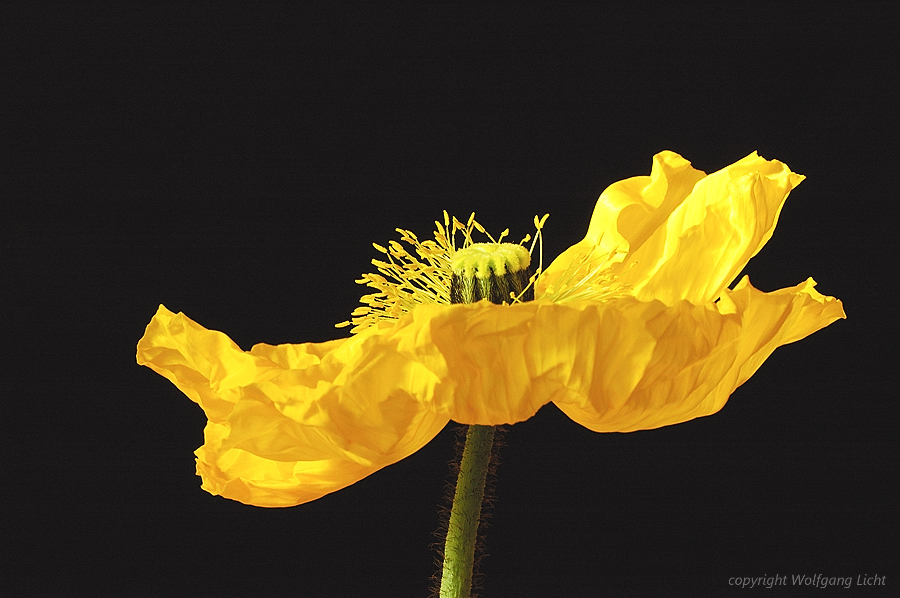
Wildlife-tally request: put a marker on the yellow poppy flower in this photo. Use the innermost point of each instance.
(632, 328)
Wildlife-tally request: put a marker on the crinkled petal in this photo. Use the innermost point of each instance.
(629, 212)
(684, 235)
(612, 366)
(622, 360)
(291, 423)
(478, 354)
(691, 358)
(777, 318)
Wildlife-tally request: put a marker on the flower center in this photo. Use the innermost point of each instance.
(498, 272)
(424, 273)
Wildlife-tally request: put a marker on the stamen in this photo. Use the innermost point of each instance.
(588, 277)
(408, 278)
(423, 274)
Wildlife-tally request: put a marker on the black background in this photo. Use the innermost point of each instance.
(237, 165)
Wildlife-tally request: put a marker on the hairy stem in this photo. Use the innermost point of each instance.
(462, 531)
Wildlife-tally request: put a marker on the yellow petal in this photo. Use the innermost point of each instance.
(478, 356)
(291, 423)
(618, 365)
(629, 212)
(698, 355)
(685, 235)
(206, 366)
(499, 364)
(711, 236)
(777, 318)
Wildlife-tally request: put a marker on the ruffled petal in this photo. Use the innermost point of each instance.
(684, 235)
(291, 423)
(777, 318)
(711, 236)
(500, 364)
(497, 365)
(619, 365)
(628, 213)
(478, 357)
(688, 359)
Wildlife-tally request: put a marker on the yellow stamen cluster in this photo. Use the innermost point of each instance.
(588, 277)
(409, 278)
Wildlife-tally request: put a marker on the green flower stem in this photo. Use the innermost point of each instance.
(462, 531)
(497, 272)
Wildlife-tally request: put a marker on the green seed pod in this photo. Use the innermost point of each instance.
(498, 272)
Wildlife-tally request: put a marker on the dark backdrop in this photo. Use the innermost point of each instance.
(237, 165)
